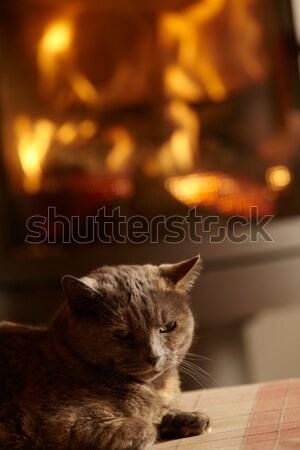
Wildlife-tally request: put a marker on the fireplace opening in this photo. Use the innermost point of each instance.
(153, 107)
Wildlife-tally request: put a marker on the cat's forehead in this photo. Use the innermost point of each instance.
(135, 292)
(136, 280)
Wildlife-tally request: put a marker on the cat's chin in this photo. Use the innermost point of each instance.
(149, 375)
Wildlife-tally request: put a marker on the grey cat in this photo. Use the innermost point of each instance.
(104, 374)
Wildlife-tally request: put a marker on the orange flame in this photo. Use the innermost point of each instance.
(120, 155)
(194, 35)
(33, 141)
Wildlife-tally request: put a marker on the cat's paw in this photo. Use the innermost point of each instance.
(177, 424)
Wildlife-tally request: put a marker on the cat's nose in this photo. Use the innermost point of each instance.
(153, 360)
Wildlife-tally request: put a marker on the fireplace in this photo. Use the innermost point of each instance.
(194, 102)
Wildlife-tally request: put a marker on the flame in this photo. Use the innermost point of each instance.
(84, 89)
(179, 84)
(55, 57)
(193, 189)
(123, 148)
(57, 38)
(33, 141)
(220, 192)
(182, 79)
(196, 69)
(87, 129)
(179, 153)
(278, 177)
(67, 133)
(54, 47)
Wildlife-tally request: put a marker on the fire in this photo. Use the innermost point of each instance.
(192, 38)
(120, 155)
(36, 138)
(194, 189)
(183, 145)
(220, 192)
(179, 84)
(87, 129)
(67, 133)
(56, 61)
(179, 153)
(33, 141)
(57, 38)
(83, 88)
(278, 177)
(182, 78)
(54, 48)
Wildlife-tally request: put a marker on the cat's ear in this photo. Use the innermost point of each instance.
(82, 297)
(182, 274)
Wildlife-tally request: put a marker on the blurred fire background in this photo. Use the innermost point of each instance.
(157, 107)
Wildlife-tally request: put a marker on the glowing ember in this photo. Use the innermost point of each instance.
(87, 129)
(278, 177)
(67, 133)
(220, 192)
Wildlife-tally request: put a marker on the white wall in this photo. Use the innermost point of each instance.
(272, 344)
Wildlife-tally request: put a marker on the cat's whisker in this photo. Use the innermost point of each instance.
(191, 368)
(196, 370)
(207, 376)
(204, 372)
(186, 371)
(196, 356)
(200, 381)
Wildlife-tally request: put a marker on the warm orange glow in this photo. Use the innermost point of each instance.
(67, 133)
(83, 88)
(87, 129)
(54, 48)
(215, 86)
(192, 38)
(184, 116)
(120, 155)
(278, 177)
(219, 192)
(57, 38)
(33, 141)
(123, 188)
(179, 85)
(56, 61)
(182, 79)
(193, 189)
(180, 146)
(179, 153)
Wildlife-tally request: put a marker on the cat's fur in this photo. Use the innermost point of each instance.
(78, 384)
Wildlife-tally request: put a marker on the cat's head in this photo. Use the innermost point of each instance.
(134, 318)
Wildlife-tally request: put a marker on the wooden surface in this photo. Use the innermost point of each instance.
(262, 416)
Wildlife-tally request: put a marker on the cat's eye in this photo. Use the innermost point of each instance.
(121, 334)
(170, 326)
